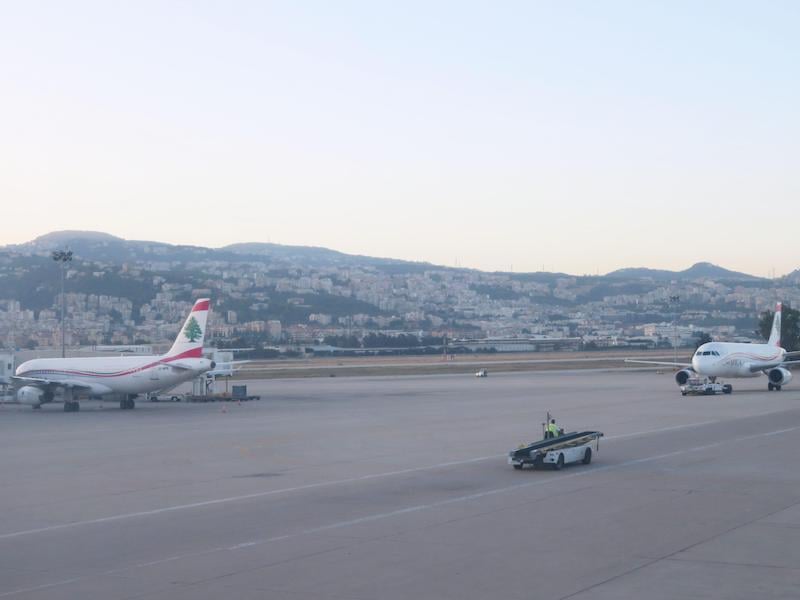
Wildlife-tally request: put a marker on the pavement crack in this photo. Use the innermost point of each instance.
(731, 563)
(672, 555)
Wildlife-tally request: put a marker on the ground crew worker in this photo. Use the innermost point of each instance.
(552, 429)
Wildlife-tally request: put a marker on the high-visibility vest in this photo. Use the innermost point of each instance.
(553, 429)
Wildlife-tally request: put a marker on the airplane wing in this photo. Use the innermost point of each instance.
(792, 356)
(658, 362)
(41, 382)
(756, 367)
(180, 366)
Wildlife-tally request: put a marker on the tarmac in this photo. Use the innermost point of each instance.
(397, 488)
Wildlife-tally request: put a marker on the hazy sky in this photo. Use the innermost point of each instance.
(574, 136)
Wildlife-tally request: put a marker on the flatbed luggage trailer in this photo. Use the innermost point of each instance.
(556, 452)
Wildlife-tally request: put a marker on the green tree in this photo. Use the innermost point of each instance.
(192, 330)
(790, 327)
(702, 338)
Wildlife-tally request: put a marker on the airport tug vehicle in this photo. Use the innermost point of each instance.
(695, 386)
(556, 452)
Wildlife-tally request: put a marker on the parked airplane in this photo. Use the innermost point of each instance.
(733, 360)
(226, 366)
(227, 369)
(118, 377)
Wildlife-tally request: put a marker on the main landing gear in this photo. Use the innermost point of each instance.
(773, 386)
(127, 403)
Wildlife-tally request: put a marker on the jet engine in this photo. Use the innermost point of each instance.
(30, 394)
(779, 376)
(682, 376)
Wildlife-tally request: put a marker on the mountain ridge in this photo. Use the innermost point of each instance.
(101, 247)
(699, 270)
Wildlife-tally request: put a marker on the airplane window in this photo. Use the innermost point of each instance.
(706, 353)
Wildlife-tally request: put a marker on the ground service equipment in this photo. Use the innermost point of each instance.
(558, 451)
(695, 386)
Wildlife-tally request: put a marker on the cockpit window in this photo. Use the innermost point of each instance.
(706, 353)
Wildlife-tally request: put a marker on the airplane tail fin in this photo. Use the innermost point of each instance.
(189, 343)
(775, 333)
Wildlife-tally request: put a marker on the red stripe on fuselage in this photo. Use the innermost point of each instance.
(754, 356)
(201, 305)
(193, 353)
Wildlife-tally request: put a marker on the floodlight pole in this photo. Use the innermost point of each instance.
(675, 343)
(675, 300)
(62, 257)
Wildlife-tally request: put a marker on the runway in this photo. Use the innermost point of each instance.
(397, 487)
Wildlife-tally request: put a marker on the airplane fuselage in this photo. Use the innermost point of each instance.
(38, 381)
(116, 375)
(723, 359)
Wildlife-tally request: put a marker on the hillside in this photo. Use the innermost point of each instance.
(102, 247)
(700, 270)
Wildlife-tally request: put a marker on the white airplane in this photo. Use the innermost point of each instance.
(122, 377)
(227, 369)
(734, 360)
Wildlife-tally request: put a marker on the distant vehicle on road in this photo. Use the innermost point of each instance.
(482, 373)
(154, 397)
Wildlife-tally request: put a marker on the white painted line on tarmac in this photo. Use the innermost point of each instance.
(203, 503)
(300, 488)
(663, 429)
(403, 511)
(518, 486)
